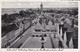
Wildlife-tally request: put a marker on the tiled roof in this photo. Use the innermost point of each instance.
(38, 26)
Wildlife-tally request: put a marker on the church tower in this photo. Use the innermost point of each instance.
(41, 9)
(41, 6)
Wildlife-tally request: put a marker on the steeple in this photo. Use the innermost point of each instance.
(41, 9)
(41, 6)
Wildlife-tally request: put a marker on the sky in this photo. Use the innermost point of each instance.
(15, 7)
(37, 4)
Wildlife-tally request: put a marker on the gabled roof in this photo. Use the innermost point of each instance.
(38, 26)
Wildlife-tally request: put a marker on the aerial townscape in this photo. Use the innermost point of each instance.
(40, 28)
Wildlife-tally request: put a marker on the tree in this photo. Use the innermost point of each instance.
(10, 18)
(4, 16)
(22, 13)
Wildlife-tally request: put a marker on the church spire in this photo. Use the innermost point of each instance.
(41, 6)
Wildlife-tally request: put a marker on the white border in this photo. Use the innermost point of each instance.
(65, 50)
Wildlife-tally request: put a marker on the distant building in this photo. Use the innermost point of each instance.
(41, 9)
(41, 6)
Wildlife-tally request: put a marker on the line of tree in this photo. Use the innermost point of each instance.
(8, 18)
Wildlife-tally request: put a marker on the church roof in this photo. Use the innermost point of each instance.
(38, 26)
